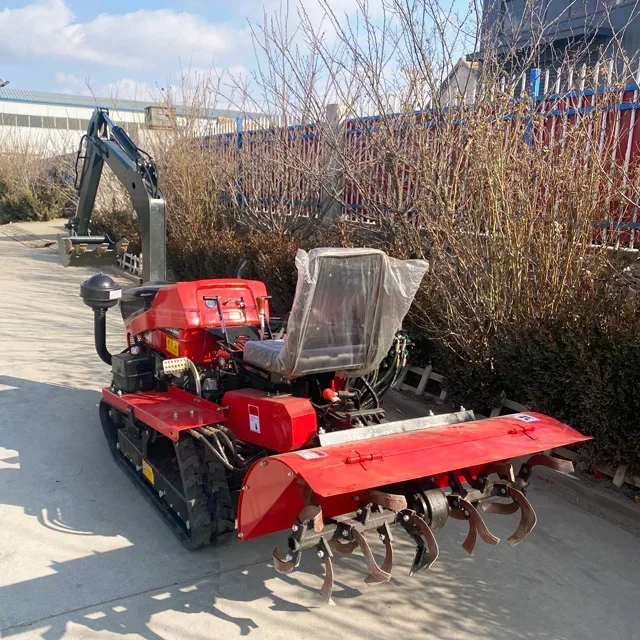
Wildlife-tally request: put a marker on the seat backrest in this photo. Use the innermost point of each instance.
(349, 303)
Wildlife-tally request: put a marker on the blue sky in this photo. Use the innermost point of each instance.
(129, 49)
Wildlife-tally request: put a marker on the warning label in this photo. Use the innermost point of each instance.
(525, 417)
(254, 419)
(309, 454)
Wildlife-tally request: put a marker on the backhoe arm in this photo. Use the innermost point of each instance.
(107, 142)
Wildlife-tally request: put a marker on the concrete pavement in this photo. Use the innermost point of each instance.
(82, 554)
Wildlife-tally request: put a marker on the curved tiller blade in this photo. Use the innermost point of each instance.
(376, 574)
(503, 470)
(284, 562)
(427, 550)
(385, 535)
(503, 508)
(542, 460)
(327, 586)
(344, 548)
(527, 517)
(466, 511)
(324, 553)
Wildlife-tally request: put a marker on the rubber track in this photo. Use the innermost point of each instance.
(221, 505)
(147, 491)
(191, 467)
(204, 481)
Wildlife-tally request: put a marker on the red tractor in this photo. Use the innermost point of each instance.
(229, 423)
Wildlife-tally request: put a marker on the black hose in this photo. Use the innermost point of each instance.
(100, 334)
(219, 434)
(216, 453)
(240, 268)
(374, 395)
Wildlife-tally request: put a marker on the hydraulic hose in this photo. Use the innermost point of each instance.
(216, 453)
(196, 377)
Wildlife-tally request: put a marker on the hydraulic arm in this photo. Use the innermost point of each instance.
(107, 142)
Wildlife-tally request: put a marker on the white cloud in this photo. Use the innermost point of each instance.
(138, 40)
(68, 79)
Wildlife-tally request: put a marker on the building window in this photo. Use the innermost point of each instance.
(9, 119)
(23, 121)
(48, 122)
(35, 121)
(61, 123)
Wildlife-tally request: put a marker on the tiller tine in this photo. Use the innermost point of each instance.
(542, 460)
(376, 574)
(325, 555)
(504, 508)
(344, 548)
(527, 516)
(461, 509)
(504, 470)
(518, 501)
(284, 562)
(385, 535)
(427, 547)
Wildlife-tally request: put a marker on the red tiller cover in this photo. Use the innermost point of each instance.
(276, 488)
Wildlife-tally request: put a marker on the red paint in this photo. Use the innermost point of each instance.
(284, 423)
(158, 408)
(183, 308)
(275, 497)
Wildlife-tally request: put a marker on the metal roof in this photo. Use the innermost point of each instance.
(68, 100)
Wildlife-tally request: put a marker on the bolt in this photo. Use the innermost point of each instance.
(383, 537)
(359, 512)
(138, 467)
(263, 463)
(160, 494)
(244, 487)
(355, 498)
(192, 412)
(431, 413)
(290, 474)
(466, 513)
(320, 553)
(462, 408)
(405, 518)
(288, 557)
(295, 528)
(240, 535)
(175, 414)
(119, 392)
(118, 446)
(188, 525)
(345, 533)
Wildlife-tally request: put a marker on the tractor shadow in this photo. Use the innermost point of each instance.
(110, 564)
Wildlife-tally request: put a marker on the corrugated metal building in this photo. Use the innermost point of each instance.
(53, 123)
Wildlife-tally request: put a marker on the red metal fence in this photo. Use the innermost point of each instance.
(285, 166)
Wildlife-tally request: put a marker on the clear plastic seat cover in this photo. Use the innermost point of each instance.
(349, 303)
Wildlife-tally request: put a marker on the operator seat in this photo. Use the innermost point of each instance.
(348, 305)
